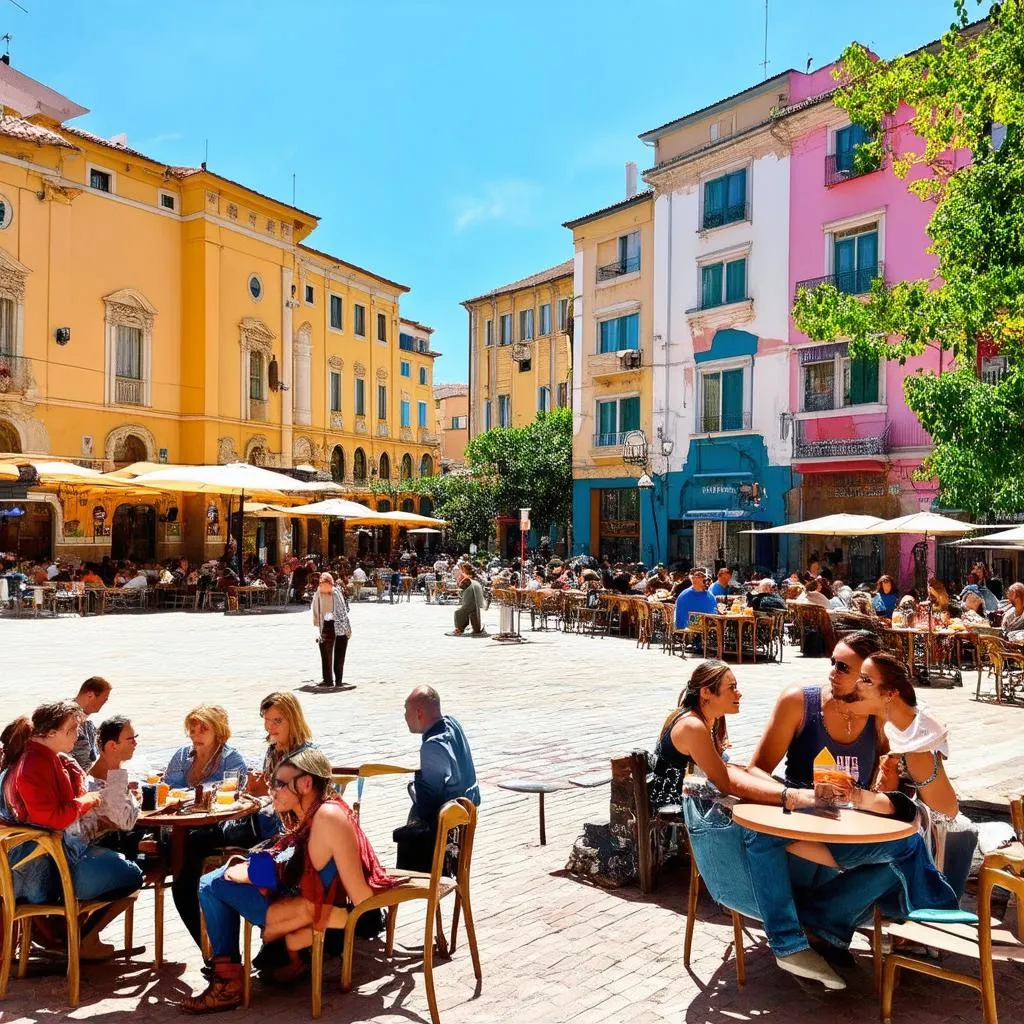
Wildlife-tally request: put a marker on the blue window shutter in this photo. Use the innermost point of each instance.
(629, 414)
(732, 400)
(736, 280)
(606, 419)
(844, 149)
(845, 265)
(867, 253)
(711, 286)
(714, 196)
(737, 192)
(631, 335)
(607, 336)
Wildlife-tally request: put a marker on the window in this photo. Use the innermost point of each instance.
(405, 368)
(385, 473)
(99, 180)
(723, 282)
(487, 414)
(338, 464)
(725, 199)
(563, 395)
(722, 401)
(8, 329)
(621, 333)
(563, 314)
(129, 351)
(256, 287)
(421, 415)
(504, 410)
(6, 212)
(860, 381)
(360, 396)
(525, 365)
(855, 259)
(460, 422)
(336, 312)
(846, 161)
(615, 418)
(627, 258)
(526, 325)
(256, 376)
(168, 201)
(406, 418)
(489, 333)
(359, 466)
(359, 320)
(406, 474)
(543, 399)
(382, 401)
(505, 329)
(857, 380)
(423, 375)
(309, 295)
(335, 383)
(426, 469)
(545, 319)
(382, 327)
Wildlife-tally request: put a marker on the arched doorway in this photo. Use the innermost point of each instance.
(406, 470)
(257, 456)
(133, 533)
(10, 440)
(359, 467)
(338, 464)
(385, 467)
(409, 505)
(130, 448)
(426, 507)
(426, 466)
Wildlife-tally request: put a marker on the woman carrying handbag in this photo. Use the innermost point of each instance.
(330, 617)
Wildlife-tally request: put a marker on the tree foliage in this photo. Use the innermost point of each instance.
(956, 91)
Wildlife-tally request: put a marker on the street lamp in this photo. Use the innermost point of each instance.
(645, 483)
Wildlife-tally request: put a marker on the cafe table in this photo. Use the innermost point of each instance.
(852, 826)
(719, 620)
(182, 819)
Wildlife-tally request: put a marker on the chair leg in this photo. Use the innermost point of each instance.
(348, 952)
(455, 921)
(23, 947)
(441, 942)
(691, 909)
(317, 979)
(741, 967)
(129, 931)
(543, 830)
(247, 964)
(74, 959)
(467, 913)
(158, 925)
(389, 945)
(888, 986)
(6, 950)
(876, 951)
(204, 939)
(428, 964)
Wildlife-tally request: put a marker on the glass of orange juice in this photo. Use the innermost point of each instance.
(153, 778)
(230, 782)
(162, 792)
(225, 796)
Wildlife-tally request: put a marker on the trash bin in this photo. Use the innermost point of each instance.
(507, 622)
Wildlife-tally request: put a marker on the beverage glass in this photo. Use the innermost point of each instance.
(153, 778)
(149, 796)
(225, 797)
(162, 792)
(833, 789)
(230, 781)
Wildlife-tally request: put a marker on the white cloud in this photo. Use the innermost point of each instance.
(510, 200)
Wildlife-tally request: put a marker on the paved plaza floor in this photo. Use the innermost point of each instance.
(552, 948)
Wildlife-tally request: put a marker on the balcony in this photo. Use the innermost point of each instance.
(721, 314)
(606, 365)
(721, 422)
(405, 434)
(258, 409)
(629, 265)
(406, 343)
(15, 374)
(849, 282)
(870, 446)
(610, 440)
(129, 391)
(856, 165)
(728, 215)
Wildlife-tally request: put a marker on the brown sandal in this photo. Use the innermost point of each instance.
(224, 991)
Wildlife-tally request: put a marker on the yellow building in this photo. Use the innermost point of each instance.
(519, 350)
(169, 314)
(614, 349)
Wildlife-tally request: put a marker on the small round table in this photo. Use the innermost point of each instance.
(538, 786)
(180, 822)
(852, 826)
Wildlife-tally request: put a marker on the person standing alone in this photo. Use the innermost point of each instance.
(330, 617)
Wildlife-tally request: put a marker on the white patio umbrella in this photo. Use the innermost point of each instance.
(840, 524)
(412, 519)
(423, 530)
(1010, 535)
(337, 508)
(926, 524)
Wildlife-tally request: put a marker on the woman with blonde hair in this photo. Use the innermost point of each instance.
(207, 755)
(333, 629)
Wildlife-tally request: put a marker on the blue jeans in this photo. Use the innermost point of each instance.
(224, 904)
(95, 871)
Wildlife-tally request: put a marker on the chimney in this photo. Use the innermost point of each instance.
(630, 179)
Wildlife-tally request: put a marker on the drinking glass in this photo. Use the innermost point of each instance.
(230, 782)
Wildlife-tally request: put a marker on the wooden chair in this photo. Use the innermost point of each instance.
(769, 633)
(986, 941)
(644, 623)
(158, 879)
(1006, 664)
(47, 844)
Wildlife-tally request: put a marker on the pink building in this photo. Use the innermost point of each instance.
(855, 443)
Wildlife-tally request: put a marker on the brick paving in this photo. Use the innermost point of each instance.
(552, 949)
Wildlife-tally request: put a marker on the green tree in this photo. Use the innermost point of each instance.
(957, 90)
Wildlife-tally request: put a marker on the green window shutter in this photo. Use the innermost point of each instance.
(630, 336)
(732, 400)
(736, 280)
(736, 194)
(714, 197)
(712, 399)
(863, 381)
(629, 414)
(608, 330)
(606, 419)
(711, 286)
(844, 149)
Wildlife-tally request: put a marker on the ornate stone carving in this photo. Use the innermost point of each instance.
(232, 211)
(213, 201)
(382, 429)
(126, 430)
(271, 227)
(359, 370)
(257, 450)
(337, 422)
(129, 308)
(286, 231)
(302, 449)
(304, 335)
(382, 374)
(256, 334)
(60, 193)
(12, 277)
(226, 451)
(360, 424)
(336, 362)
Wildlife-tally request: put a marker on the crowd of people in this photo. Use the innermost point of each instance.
(61, 771)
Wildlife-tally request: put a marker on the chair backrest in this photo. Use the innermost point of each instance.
(48, 844)
(461, 815)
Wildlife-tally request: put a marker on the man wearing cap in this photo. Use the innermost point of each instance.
(694, 599)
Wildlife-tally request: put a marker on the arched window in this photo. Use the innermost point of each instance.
(407, 466)
(385, 467)
(426, 507)
(426, 466)
(130, 448)
(337, 464)
(359, 466)
(257, 456)
(409, 505)
(10, 441)
(383, 506)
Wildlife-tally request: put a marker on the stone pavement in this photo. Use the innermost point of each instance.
(552, 949)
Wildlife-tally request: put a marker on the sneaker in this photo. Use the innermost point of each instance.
(808, 964)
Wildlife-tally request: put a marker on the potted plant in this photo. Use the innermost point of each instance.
(5, 377)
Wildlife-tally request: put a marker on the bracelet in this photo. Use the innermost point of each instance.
(785, 793)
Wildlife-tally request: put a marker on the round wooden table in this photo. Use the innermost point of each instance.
(852, 826)
(180, 822)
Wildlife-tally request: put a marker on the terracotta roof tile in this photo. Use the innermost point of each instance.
(17, 128)
(442, 391)
(622, 204)
(551, 274)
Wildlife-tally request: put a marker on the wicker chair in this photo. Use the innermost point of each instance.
(1006, 664)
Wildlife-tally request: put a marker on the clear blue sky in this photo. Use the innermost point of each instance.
(442, 142)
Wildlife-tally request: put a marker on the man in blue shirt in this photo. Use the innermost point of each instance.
(446, 772)
(722, 587)
(695, 598)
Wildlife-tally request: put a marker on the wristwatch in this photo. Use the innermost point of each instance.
(785, 808)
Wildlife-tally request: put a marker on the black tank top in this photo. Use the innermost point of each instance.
(665, 754)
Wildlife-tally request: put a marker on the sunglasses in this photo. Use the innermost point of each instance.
(840, 666)
(279, 783)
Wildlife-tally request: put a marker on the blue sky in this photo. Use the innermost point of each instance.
(442, 142)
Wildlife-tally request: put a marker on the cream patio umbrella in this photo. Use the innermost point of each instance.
(411, 519)
(337, 508)
(841, 524)
(1009, 535)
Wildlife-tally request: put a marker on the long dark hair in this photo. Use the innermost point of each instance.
(895, 677)
(45, 719)
(708, 674)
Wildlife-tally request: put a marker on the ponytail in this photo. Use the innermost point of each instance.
(14, 740)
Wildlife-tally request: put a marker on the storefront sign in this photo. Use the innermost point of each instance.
(871, 491)
(719, 489)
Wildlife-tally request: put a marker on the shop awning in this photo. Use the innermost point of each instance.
(717, 514)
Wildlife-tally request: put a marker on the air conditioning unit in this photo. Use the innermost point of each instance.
(630, 359)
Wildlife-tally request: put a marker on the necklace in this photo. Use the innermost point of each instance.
(847, 715)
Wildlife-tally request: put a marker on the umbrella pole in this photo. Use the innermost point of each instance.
(241, 534)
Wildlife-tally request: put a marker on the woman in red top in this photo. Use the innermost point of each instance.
(43, 785)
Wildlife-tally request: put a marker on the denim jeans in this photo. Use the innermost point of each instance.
(224, 904)
(95, 871)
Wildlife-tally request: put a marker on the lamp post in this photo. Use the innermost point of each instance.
(646, 484)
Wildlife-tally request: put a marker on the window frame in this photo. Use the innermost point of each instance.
(542, 320)
(544, 399)
(526, 324)
(424, 377)
(607, 319)
(358, 312)
(719, 369)
(505, 405)
(724, 173)
(334, 297)
(111, 178)
(405, 414)
(259, 362)
(334, 391)
(404, 368)
(308, 294)
(618, 433)
(422, 415)
(841, 375)
(382, 402)
(723, 261)
(488, 332)
(563, 314)
(161, 195)
(359, 398)
(382, 328)
(503, 338)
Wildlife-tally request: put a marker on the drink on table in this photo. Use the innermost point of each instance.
(230, 781)
(162, 792)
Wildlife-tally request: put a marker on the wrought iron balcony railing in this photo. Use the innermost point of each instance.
(629, 265)
(716, 218)
(611, 440)
(715, 305)
(840, 448)
(717, 422)
(850, 165)
(850, 282)
(15, 374)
